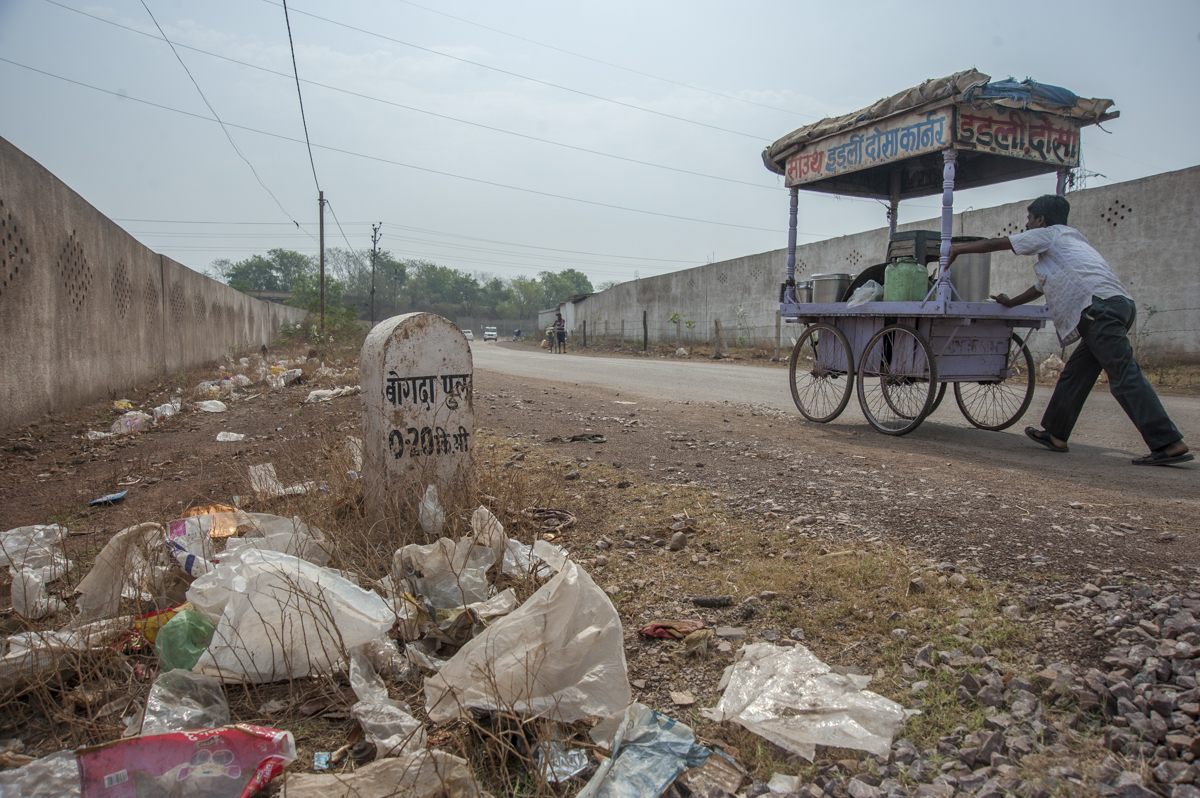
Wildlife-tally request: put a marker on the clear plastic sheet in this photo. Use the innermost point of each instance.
(54, 776)
(431, 514)
(559, 655)
(649, 751)
(558, 763)
(424, 774)
(180, 700)
(35, 548)
(449, 574)
(287, 618)
(791, 698)
(486, 530)
(386, 723)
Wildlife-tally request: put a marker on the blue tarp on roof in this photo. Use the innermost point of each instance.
(1024, 92)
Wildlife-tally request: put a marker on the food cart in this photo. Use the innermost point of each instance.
(963, 131)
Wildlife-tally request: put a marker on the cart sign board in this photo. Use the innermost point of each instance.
(893, 139)
(1019, 134)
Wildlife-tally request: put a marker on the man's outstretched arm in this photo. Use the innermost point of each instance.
(976, 247)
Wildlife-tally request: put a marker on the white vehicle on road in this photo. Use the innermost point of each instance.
(468, 335)
(489, 334)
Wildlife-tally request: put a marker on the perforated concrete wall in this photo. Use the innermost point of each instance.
(86, 311)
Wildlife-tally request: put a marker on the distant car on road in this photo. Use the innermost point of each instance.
(489, 334)
(469, 336)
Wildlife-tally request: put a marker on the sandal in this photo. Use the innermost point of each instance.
(1161, 458)
(1043, 437)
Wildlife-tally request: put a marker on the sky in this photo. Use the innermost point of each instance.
(622, 139)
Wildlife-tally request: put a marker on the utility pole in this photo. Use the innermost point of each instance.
(321, 202)
(375, 228)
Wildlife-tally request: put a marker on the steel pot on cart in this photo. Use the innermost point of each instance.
(963, 131)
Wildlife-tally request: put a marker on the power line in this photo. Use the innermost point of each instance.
(608, 63)
(296, 72)
(524, 77)
(215, 114)
(414, 109)
(414, 167)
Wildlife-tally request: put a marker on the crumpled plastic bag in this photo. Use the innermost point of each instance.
(430, 513)
(180, 700)
(131, 422)
(792, 699)
(211, 406)
(286, 618)
(30, 598)
(870, 291)
(386, 723)
(423, 774)
(486, 530)
(32, 654)
(649, 751)
(181, 640)
(263, 479)
(449, 574)
(53, 776)
(560, 655)
(131, 560)
(278, 533)
(279, 381)
(540, 560)
(241, 759)
(334, 393)
(35, 548)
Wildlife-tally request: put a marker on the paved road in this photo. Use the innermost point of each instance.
(1101, 446)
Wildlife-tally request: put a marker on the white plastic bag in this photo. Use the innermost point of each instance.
(35, 548)
(132, 559)
(486, 530)
(211, 406)
(29, 597)
(791, 698)
(286, 618)
(53, 776)
(560, 655)
(870, 291)
(133, 421)
(190, 544)
(449, 574)
(386, 723)
(431, 514)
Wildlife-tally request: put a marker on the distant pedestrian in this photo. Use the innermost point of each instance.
(560, 332)
(1089, 305)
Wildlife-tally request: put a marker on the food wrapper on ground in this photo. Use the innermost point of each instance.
(449, 574)
(559, 655)
(286, 618)
(649, 751)
(792, 699)
(229, 761)
(424, 774)
(181, 700)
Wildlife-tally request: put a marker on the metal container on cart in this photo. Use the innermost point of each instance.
(830, 287)
(804, 291)
(971, 276)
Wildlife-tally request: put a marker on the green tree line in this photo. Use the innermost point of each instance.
(400, 285)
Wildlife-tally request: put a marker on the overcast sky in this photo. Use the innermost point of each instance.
(429, 115)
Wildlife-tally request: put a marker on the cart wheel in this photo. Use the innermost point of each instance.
(938, 401)
(941, 394)
(821, 373)
(998, 404)
(897, 379)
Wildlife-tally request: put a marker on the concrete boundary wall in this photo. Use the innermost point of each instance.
(1146, 229)
(86, 311)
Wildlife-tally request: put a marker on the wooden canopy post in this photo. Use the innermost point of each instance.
(949, 158)
(894, 206)
(794, 206)
(1061, 188)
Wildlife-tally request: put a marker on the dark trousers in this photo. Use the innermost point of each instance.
(1104, 346)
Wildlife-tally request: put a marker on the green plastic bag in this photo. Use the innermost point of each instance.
(182, 640)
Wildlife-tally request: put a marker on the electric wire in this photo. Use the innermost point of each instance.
(379, 159)
(296, 72)
(216, 116)
(522, 77)
(607, 63)
(414, 109)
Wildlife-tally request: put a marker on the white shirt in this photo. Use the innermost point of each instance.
(1069, 272)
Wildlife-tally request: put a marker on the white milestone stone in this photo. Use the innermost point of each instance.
(418, 415)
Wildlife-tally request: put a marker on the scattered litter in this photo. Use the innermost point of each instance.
(189, 543)
(131, 422)
(792, 699)
(111, 498)
(431, 514)
(781, 783)
(230, 437)
(275, 533)
(718, 776)
(713, 602)
(167, 410)
(424, 774)
(557, 763)
(35, 548)
(682, 699)
(93, 435)
(54, 776)
(181, 640)
(245, 757)
(283, 379)
(671, 630)
(35, 654)
(211, 406)
(559, 655)
(152, 622)
(387, 724)
(523, 560)
(648, 751)
(551, 519)
(132, 560)
(449, 574)
(327, 395)
(587, 438)
(287, 619)
(122, 404)
(321, 760)
(354, 450)
(264, 480)
(180, 700)
(486, 530)
(29, 597)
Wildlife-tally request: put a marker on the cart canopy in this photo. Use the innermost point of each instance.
(1003, 130)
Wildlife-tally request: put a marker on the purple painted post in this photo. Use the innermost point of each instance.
(894, 207)
(949, 157)
(1061, 188)
(791, 260)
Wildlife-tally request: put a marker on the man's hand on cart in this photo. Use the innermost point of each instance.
(1011, 302)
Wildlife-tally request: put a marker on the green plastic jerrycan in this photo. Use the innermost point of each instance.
(905, 280)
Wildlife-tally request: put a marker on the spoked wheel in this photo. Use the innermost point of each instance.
(998, 404)
(897, 380)
(941, 394)
(821, 373)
